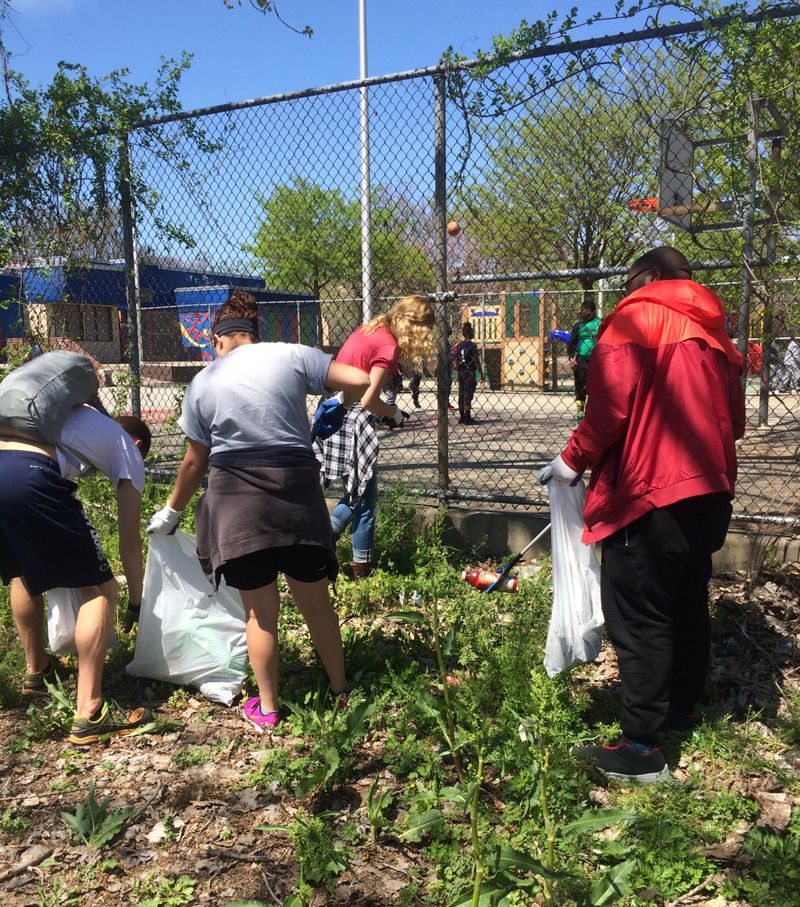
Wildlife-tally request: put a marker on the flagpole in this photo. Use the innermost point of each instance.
(366, 200)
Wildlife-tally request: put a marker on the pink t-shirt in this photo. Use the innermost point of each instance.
(365, 351)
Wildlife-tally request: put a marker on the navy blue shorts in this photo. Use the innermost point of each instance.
(304, 563)
(45, 537)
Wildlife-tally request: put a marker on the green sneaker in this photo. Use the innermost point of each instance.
(112, 721)
(35, 684)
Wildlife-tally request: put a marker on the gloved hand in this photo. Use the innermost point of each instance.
(557, 469)
(398, 417)
(164, 521)
(131, 616)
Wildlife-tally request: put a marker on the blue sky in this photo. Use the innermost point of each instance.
(240, 54)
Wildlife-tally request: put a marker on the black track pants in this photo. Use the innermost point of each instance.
(581, 372)
(654, 582)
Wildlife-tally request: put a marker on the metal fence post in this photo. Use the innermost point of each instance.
(751, 155)
(440, 221)
(131, 272)
(767, 338)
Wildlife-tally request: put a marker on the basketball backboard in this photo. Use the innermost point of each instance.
(675, 174)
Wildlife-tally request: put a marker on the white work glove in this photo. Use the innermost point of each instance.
(164, 521)
(398, 417)
(557, 469)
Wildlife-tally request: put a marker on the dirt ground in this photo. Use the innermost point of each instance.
(199, 820)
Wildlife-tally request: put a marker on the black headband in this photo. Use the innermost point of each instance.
(236, 326)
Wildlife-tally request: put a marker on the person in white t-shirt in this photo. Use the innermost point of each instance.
(116, 448)
(46, 537)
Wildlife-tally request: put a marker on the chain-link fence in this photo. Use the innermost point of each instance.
(511, 193)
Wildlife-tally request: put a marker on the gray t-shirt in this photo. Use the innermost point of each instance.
(255, 397)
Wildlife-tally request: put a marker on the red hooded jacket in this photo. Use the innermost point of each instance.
(665, 406)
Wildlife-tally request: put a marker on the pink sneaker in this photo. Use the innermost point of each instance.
(340, 697)
(261, 721)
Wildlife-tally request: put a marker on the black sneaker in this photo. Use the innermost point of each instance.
(626, 761)
(682, 722)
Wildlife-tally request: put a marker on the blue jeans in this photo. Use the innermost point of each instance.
(362, 515)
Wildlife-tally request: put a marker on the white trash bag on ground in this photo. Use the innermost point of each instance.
(62, 615)
(187, 634)
(576, 623)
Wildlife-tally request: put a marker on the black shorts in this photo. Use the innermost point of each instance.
(45, 537)
(304, 563)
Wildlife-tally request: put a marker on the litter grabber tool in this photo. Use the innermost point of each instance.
(505, 570)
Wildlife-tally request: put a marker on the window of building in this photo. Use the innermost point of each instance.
(97, 323)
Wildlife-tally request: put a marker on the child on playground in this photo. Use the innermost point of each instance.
(263, 512)
(581, 343)
(467, 360)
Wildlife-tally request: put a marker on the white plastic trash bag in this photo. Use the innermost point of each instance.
(62, 616)
(187, 634)
(576, 623)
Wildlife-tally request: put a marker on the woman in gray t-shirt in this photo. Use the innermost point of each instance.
(264, 512)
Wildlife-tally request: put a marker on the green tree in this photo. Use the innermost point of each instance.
(557, 180)
(309, 239)
(305, 240)
(60, 158)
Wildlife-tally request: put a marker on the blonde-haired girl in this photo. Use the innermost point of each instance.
(403, 334)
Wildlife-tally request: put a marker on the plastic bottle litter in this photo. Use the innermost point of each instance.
(482, 579)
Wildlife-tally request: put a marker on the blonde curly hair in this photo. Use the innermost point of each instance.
(410, 321)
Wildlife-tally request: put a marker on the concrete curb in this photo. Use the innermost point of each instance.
(497, 534)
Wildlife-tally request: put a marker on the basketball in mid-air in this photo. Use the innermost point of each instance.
(453, 228)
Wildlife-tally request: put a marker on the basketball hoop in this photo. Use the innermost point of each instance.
(643, 204)
(653, 205)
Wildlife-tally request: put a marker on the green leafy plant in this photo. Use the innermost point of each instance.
(56, 894)
(378, 805)
(154, 891)
(186, 757)
(12, 824)
(334, 733)
(56, 718)
(319, 858)
(92, 822)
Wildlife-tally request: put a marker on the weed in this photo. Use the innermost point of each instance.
(179, 699)
(396, 530)
(57, 894)
(62, 786)
(72, 760)
(186, 757)
(320, 860)
(93, 824)
(12, 824)
(163, 891)
(334, 733)
(281, 768)
(171, 831)
(789, 725)
(54, 716)
(18, 745)
(773, 878)
(378, 804)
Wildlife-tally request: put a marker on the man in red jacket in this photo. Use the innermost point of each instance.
(665, 408)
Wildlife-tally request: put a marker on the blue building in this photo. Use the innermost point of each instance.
(88, 304)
